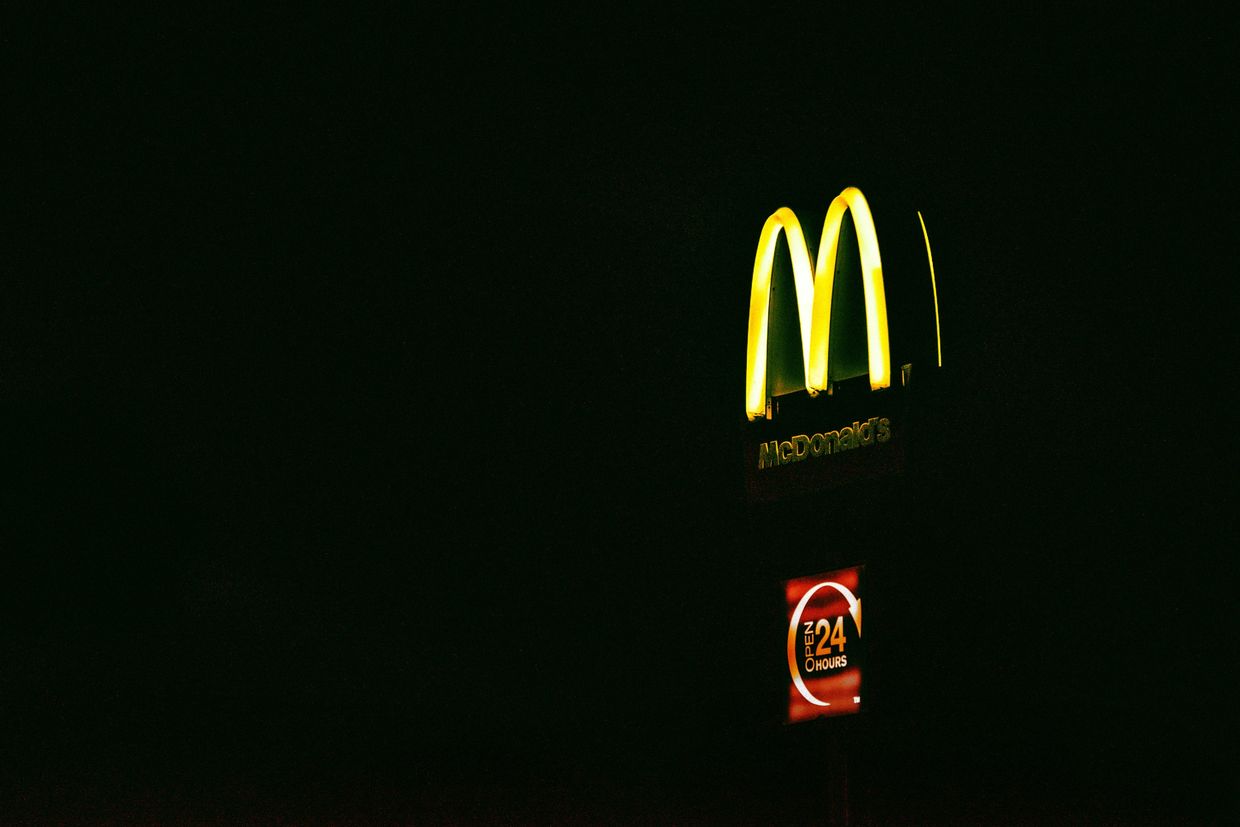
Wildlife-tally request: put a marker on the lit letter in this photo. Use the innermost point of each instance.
(884, 429)
(785, 452)
(801, 445)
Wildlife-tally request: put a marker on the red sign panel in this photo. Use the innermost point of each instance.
(824, 644)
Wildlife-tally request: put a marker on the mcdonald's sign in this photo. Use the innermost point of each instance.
(819, 376)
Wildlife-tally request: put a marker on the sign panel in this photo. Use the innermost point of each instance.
(825, 397)
(816, 444)
(825, 655)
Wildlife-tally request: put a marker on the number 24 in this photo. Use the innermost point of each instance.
(836, 635)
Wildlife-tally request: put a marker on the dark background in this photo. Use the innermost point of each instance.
(372, 403)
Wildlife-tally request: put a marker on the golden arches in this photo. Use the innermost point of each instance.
(813, 291)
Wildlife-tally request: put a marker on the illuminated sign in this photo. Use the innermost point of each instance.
(825, 405)
(824, 645)
(815, 287)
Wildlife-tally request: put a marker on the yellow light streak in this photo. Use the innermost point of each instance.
(813, 290)
(938, 339)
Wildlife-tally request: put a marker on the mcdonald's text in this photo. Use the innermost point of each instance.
(798, 448)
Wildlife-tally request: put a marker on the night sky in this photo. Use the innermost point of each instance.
(372, 391)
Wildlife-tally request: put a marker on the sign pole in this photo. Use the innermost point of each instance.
(837, 782)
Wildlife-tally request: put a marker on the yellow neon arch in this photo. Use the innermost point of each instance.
(813, 290)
